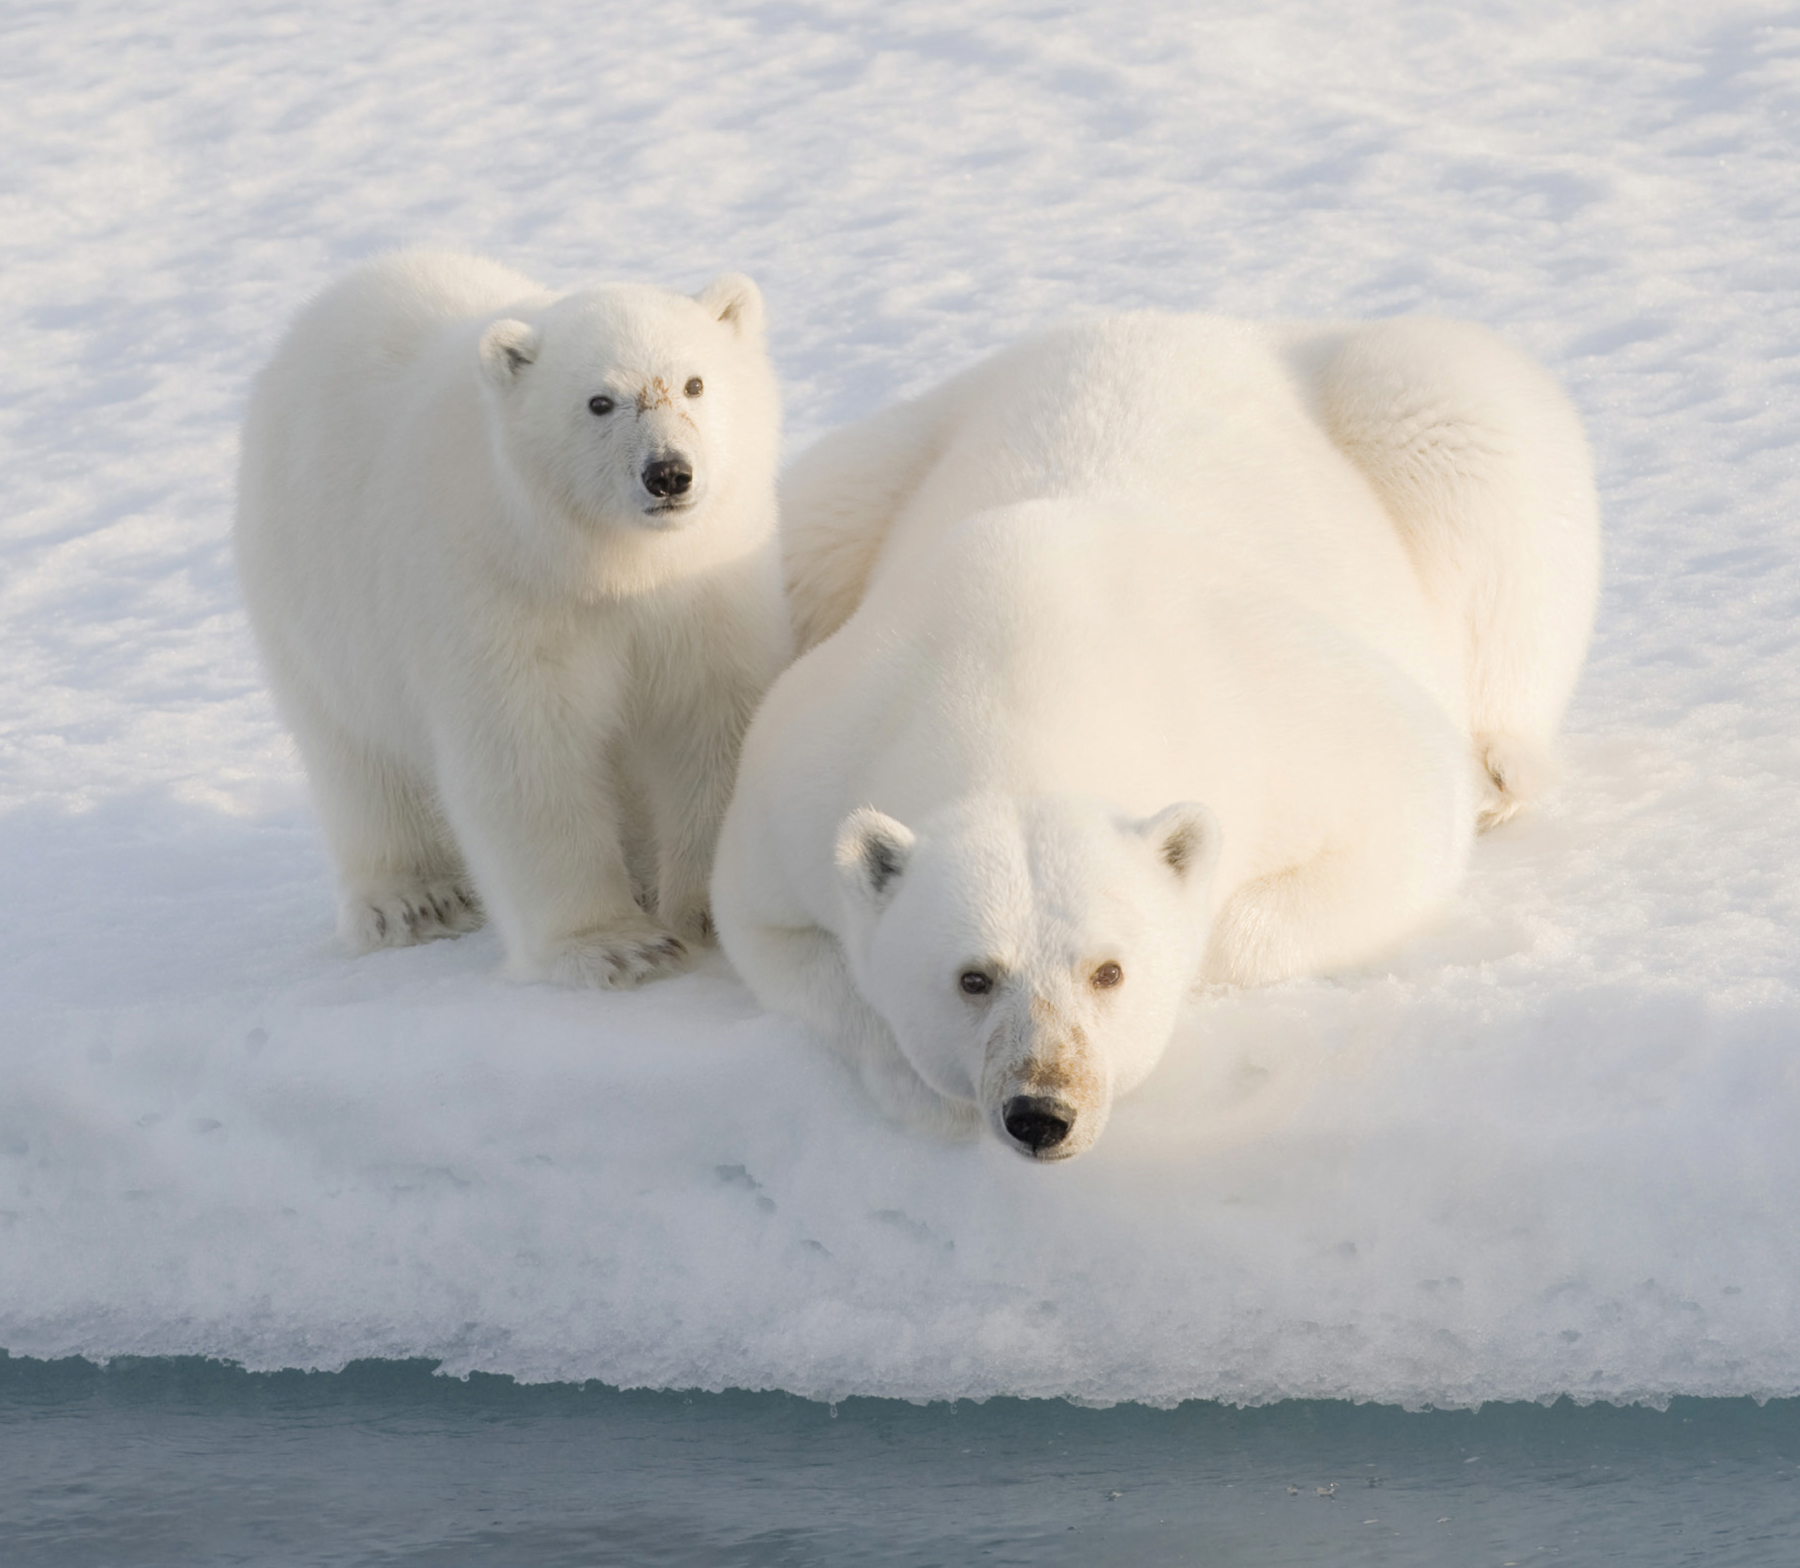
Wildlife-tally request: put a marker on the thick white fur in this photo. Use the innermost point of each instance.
(1184, 644)
(518, 686)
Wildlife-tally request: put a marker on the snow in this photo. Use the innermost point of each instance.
(1548, 1148)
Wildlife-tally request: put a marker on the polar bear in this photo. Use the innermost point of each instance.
(512, 564)
(1156, 650)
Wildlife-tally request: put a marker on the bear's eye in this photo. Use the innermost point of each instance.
(695, 386)
(975, 983)
(1106, 977)
(600, 403)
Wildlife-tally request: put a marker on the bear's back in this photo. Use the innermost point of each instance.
(1209, 424)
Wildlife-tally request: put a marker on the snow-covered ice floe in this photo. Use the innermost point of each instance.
(1548, 1148)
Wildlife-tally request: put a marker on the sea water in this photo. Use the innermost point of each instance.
(187, 1462)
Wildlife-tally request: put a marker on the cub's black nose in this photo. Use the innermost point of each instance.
(1036, 1122)
(668, 476)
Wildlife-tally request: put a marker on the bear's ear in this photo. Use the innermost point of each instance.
(736, 301)
(871, 853)
(1186, 839)
(507, 347)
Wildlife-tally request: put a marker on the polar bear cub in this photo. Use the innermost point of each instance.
(512, 564)
(1153, 651)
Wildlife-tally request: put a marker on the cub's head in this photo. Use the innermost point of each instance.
(1029, 955)
(629, 407)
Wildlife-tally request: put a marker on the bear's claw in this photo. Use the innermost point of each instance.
(617, 960)
(402, 916)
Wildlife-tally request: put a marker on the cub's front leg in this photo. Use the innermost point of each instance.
(688, 777)
(523, 778)
(710, 682)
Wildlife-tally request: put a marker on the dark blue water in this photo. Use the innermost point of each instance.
(192, 1463)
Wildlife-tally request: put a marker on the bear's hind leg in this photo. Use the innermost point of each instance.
(1481, 463)
(400, 878)
(1511, 773)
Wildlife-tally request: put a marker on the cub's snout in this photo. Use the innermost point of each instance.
(668, 480)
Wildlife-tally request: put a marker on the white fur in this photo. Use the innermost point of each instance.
(518, 684)
(1185, 644)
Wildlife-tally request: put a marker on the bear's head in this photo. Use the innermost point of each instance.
(628, 407)
(1029, 955)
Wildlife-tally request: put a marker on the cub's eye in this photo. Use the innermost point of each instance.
(1106, 977)
(694, 387)
(600, 404)
(975, 983)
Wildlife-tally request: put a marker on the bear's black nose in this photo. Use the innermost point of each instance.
(668, 476)
(1036, 1122)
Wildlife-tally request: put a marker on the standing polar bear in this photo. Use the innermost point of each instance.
(512, 563)
(1153, 651)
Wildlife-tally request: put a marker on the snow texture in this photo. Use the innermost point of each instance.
(1551, 1147)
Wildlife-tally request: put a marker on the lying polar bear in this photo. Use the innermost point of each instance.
(1151, 651)
(512, 562)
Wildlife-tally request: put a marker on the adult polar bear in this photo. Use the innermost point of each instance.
(1154, 650)
(512, 562)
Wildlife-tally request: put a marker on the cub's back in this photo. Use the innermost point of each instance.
(322, 560)
(370, 326)
(329, 392)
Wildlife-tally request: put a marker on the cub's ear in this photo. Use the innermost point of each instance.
(507, 347)
(1186, 839)
(872, 851)
(736, 301)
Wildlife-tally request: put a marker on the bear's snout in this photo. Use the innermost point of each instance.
(1045, 1086)
(669, 479)
(1037, 1122)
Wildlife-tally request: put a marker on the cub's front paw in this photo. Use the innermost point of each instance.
(616, 957)
(401, 914)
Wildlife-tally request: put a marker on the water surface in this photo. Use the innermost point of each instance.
(193, 1463)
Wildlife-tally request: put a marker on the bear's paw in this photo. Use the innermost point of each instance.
(1513, 773)
(615, 958)
(403, 914)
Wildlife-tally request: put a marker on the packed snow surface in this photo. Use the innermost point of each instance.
(1552, 1146)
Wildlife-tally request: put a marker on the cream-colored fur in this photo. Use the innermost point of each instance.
(517, 677)
(1186, 645)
